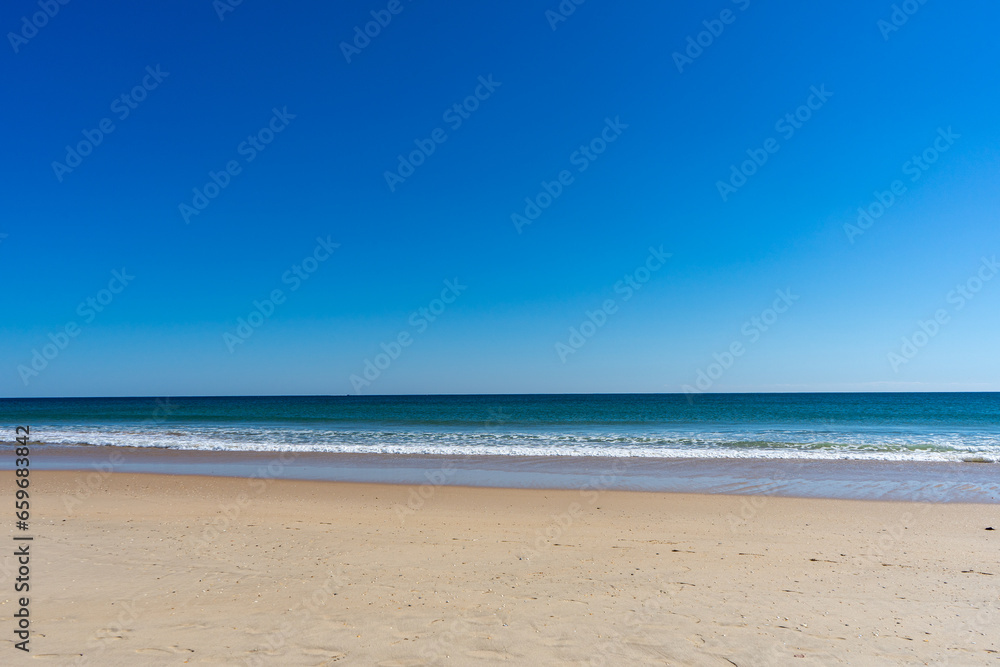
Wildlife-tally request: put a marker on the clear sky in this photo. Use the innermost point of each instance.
(255, 147)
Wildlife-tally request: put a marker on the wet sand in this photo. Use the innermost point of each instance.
(155, 569)
(818, 478)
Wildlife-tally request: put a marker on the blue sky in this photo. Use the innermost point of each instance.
(202, 90)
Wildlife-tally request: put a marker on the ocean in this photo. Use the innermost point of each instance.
(900, 427)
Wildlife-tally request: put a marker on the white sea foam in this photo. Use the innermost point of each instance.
(872, 444)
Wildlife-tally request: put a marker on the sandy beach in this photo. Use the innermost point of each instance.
(146, 569)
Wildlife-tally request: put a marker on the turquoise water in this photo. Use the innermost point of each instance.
(881, 426)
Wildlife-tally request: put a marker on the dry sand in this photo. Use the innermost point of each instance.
(157, 570)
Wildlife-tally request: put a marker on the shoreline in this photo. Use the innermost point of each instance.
(210, 570)
(920, 481)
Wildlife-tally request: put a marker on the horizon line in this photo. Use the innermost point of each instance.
(623, 393)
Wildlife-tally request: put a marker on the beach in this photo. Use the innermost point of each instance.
(156, 569)
(521, 346)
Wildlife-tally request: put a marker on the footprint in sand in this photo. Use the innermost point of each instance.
(170, 650)
(330, 656)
